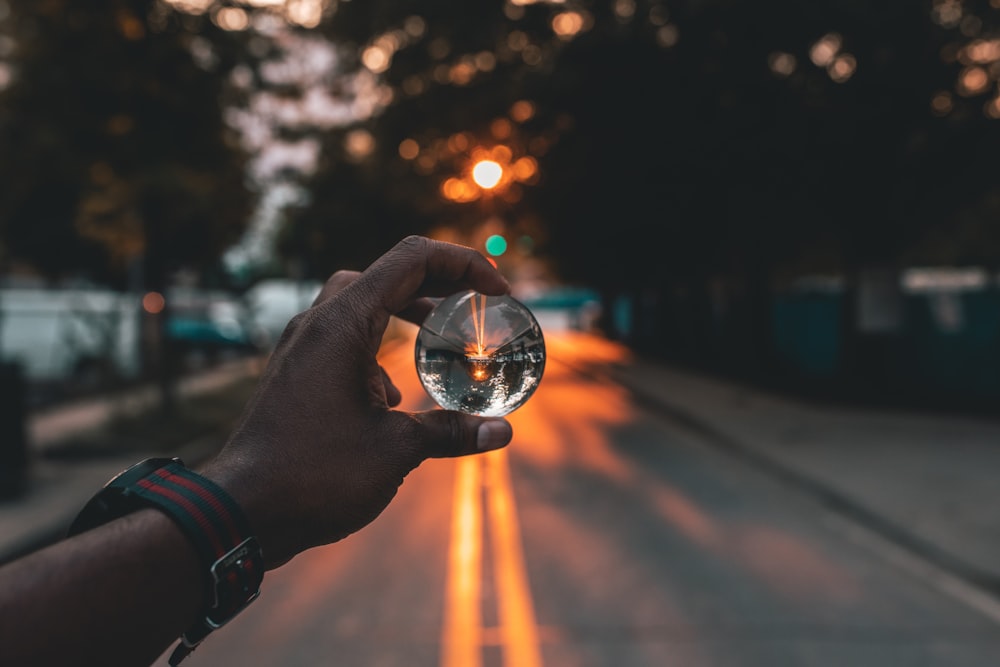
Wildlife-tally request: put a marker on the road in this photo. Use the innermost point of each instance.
(605, 535)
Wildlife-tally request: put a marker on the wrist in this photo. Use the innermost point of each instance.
(231, 564)
(269, 524)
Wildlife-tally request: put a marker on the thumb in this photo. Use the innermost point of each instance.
(447, 433)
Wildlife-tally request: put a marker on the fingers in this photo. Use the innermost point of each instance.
(392, 393)
(335, 283)
(418, 266)
(445, 433)
(416, 312)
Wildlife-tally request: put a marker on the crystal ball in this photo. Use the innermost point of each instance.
(482, 355)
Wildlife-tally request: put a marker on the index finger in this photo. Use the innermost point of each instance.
(416, 266)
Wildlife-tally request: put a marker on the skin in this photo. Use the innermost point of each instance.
(318, 454)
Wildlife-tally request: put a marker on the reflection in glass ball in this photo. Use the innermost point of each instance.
(483, 355)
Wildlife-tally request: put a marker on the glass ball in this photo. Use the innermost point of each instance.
(482, 355)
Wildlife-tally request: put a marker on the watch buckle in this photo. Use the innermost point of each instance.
(232, 560)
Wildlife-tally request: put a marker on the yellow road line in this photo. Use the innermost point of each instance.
(462, 633)
(516, 608)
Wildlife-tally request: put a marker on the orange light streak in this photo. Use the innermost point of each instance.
(477, 349)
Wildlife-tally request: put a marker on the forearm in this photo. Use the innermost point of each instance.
(116, 595)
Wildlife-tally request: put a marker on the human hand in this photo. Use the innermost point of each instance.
(318, 453)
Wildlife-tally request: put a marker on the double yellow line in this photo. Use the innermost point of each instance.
(463, 634)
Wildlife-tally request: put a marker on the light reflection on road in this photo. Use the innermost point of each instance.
(601, 536)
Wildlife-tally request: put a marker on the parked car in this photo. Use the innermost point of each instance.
(204, 324)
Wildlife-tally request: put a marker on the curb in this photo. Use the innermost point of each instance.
(193, 453)
(833, 499)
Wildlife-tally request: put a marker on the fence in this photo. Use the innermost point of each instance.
(944, 347)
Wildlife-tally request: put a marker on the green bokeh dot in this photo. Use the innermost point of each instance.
(496, 245)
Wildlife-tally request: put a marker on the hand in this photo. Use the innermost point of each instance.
(318, 453)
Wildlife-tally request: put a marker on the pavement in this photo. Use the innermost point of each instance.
(60, 484)
(926, 482)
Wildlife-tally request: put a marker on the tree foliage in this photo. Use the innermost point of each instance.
(114, 146)
(672, 139)
(683, 138)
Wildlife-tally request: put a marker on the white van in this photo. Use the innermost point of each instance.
(70, 334)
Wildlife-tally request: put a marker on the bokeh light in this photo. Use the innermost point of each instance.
(667, 35)
(153, 302)
(487, 174)
(782, 64)
(458, 190)
(195, 7)
(942, 103)
(231, 18)
(409, 149)
(624, 9)
(842, 68)
(947, 13)
(522, 111)
(567, 24)
(376, 58)
(501, 129)
(981, 52)
(458, 142)
(359, 144)
(306, 13)
(973, 81)
(496, 245)
(992, 108)
(825, 49)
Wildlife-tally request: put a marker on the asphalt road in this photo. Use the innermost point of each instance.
(605, 535)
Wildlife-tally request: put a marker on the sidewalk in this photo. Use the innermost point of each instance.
(61, 480)
(929, 483)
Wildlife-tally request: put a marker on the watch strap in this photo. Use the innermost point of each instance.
(112, 502)
(214, 523)
(208, 515)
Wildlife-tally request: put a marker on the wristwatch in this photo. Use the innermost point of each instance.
(208, 516)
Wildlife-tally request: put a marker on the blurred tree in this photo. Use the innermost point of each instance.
(675, 144)
(674, 140)
(114, 145)
(115, 155)
(710, 136)
(452, 84)
(685, 145)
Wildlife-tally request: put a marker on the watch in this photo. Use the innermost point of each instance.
(208, 516)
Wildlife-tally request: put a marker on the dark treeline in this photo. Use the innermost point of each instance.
(691, 155)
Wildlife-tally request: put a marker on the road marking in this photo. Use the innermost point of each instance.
(463, 635)
(516, 608)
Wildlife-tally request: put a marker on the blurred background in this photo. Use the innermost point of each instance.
(797, 197)
(789, 193)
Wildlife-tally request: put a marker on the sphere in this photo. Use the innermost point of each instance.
(482, 355)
